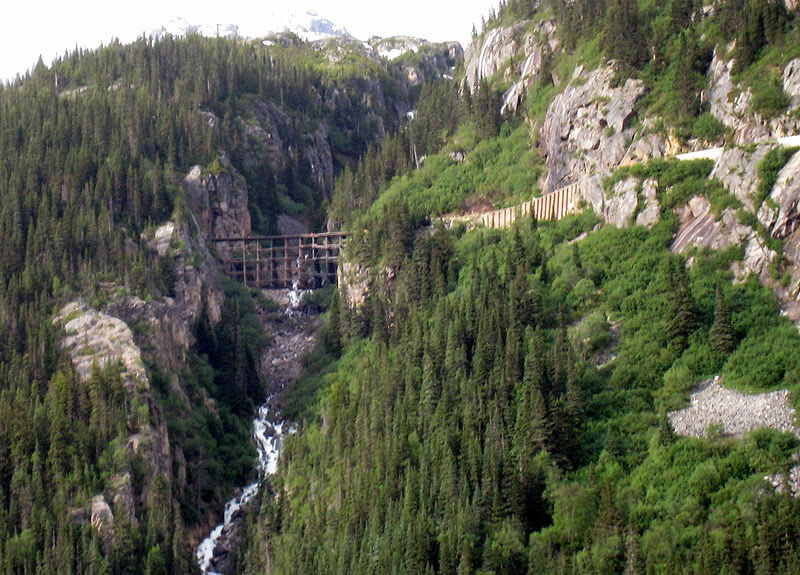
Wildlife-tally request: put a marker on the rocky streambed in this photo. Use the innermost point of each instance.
(292, 331)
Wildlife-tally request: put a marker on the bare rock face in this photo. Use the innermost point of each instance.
(646, 148)
(737, 169)
(486, 56)
(731, 104)
(757, 259)
(433, 60)
(219, 199)
(123, 496)
(539, 44)
(289, 226)
(103, 520)
(94, 338)
(789, 293)
(651, 213)
(319, 158)
(700, 228)
(619, 209)
(587, 127)
(730, 109)
(197, 288)
(779, 213)
(791, 81)
(353, 281)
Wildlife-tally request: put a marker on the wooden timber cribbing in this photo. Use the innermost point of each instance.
(279, 261)
(553, 206)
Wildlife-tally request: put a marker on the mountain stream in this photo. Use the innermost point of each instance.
(281, 363)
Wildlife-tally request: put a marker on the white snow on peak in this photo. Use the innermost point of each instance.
(182, 27)
(308, 25)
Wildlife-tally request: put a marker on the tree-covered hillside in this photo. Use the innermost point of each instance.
(498, 402)
(93, 153)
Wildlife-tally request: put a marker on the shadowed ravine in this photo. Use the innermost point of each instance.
(292, 333)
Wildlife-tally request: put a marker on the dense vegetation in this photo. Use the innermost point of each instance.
(92, 154)
(499, 403)
(497, 406)
(481, 426)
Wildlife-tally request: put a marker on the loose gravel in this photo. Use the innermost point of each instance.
(739, 413)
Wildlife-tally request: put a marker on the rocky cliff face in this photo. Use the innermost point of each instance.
(700, 227)
(731, 103)
(94, 338)
(486, 55)
(272, 139)
(429, 61)
(219, 199)
(521, 50)
(134, 334)
(587, 129)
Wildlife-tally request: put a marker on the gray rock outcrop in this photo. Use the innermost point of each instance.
(587, 128)
(731, 103)
(537, 48)
(353, 281)
(701, 229)
(780, 214)
(219, 197)
(620, 207)
(94, 338)
(651, 213)
(486, 55)
(737, 169)
(791, 81)
(430, 60)
(102, 520)
(757, 260)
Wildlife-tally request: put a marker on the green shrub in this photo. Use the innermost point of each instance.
(768, 170)
(769, 99)
(707, 127)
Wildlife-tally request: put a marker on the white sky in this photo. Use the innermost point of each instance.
(48, 27)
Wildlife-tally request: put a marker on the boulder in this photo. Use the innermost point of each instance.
(651, 213)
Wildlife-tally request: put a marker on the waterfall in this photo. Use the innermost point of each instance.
(268, 436)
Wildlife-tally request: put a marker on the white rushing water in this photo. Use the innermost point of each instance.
(268, 437)
(295, 294)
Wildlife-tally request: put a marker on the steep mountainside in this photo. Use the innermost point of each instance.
(502, 401)
(129, 367)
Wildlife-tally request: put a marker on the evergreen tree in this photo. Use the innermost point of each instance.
(723, 339)
(681, 317)
(685, 82)
(333, 334)
(623, 38)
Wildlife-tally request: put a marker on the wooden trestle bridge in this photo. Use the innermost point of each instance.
(306, 261)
